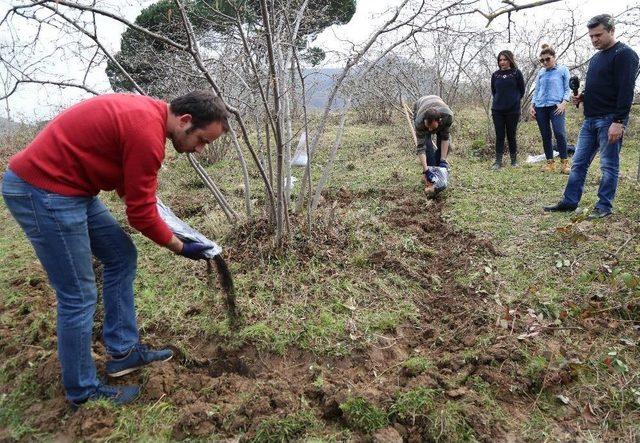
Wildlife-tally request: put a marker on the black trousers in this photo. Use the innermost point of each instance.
(505, 124)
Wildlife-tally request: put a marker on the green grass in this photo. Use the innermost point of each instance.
(322, 296)
(413, 405)
(360, 415)
(284, 429)
(449, 423)
(14, 404)
(417, 364)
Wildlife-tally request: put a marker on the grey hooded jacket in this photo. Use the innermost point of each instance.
(419, 110)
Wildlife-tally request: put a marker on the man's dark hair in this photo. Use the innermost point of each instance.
(605, 20)
(431, 115)
(510, 58)
(203, 106)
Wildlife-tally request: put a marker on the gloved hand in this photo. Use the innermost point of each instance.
(430, 176)
(443, 164)
(194, 250)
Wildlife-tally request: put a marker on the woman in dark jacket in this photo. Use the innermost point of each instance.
(507, 89)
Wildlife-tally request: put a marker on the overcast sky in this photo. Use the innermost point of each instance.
(36, 102)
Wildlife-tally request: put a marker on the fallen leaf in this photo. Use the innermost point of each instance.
(529, 335)
(620, 366)
(563, 399)
(613, 324)
(588, 415)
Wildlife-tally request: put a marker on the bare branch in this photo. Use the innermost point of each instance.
(49, 82)
(511, 7)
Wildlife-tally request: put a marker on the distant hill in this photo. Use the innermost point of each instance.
(318, 83)
(7, 125)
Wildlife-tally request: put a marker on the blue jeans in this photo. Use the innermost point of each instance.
(65, 233)
(546, 119)
(434, 152)
(593, 138)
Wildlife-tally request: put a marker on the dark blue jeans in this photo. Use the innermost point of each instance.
(593, 138)
(546, 119)
(65, 233)
(434, 152)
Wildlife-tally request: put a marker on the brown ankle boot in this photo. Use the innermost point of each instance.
(565, 167)
(550, 166)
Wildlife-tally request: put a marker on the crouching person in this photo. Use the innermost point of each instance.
(432, 116)
(114, 141)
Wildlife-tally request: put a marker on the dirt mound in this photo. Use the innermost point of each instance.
(247, 392)
(275, 386)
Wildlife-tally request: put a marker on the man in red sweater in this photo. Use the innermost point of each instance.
(110, 142)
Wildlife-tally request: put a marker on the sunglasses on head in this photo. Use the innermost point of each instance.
(545, 59)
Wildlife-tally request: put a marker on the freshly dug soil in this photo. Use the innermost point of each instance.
(230, 393)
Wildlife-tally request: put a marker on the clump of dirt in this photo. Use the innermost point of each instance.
(226, 283)
(94, 422)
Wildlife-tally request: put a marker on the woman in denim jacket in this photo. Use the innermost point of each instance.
(550, 100)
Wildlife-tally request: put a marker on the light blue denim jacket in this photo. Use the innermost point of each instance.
(552, 86)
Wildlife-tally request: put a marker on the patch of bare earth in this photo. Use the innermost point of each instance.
(229, 393)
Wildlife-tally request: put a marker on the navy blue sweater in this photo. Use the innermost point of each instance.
(507, 89)
(611, 78)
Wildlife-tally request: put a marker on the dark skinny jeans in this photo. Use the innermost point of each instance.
(546, 120)
(433, 152)
(505, 124)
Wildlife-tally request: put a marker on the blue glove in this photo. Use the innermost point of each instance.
(194, 250)
(431, 177)
(443, 164)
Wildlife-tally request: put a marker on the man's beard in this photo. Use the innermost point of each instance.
(175, 143)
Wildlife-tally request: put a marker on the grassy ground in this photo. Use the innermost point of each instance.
(476, 317)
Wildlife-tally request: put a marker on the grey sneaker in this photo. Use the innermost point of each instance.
(496, 166)
(598, 213)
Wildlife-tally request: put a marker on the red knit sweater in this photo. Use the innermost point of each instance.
(113, 141)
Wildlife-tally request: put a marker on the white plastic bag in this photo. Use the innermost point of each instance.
(441, 178)
(185, 232)
(539, 158)
(289, 184)
(300, 156)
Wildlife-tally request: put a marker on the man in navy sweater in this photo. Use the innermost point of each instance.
(607, 99)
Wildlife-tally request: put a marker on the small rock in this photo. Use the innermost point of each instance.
(387, 435)
(458, 392)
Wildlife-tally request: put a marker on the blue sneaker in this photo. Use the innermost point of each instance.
(120, 395)
(137, 357)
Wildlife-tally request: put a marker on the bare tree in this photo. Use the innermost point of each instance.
(249, 53)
